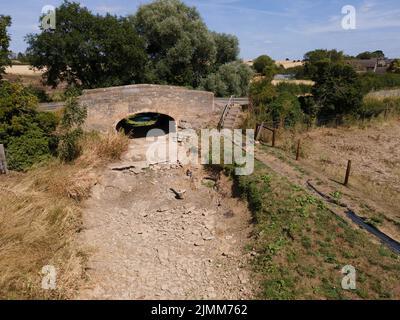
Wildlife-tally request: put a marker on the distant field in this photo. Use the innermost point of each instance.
(24, 70)
(298, 82)
(289, 64)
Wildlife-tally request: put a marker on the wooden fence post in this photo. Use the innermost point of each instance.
(273, 137)
(348, 171)
(260, 127)
(298, 150)
(3, 161)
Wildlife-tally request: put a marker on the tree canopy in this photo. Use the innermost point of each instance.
(5, 22)
(265, 65)
(231, 79)
(337, 90)
(370, 55)
(315, 57)
(165, 42)
(180, 47)
(227, 48)
(88, 50)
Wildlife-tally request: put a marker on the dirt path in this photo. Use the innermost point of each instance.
(146, 244)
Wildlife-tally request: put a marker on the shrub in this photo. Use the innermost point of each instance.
(374, 82)
(26, 133)
(71, 129)
(28, 149)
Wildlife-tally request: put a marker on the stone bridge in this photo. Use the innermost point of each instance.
(106, 107)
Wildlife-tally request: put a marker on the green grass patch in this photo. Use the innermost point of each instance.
(302, 246)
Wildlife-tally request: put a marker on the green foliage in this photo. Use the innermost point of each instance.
(285, 110)
(370, 55)
(88, 50)
(230, 79)
(262, 92)
(265, 65)
(26, 133)
(26, 150)
(316, 57)
(337, 90)
(74, 117)
(5, 22)
(295, 89)
(374, 82)
(395, 66)
(165, 42)
(227, 48)
(298, 72)
(181, 49)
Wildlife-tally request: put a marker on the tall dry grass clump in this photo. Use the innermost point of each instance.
(97, 148)
(40, 218)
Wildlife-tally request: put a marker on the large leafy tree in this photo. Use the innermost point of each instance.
(227, 48)
(88, 50)
(337, 89)
(370, 55)
(181, 49)
(265, 65)
(313, 58)
(231, 79)
(5, 22)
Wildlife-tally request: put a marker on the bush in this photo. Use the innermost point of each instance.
(296, 89)
(28, 149)
(28, 135)
(285, 110)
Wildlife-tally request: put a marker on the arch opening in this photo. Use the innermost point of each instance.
(142, 125)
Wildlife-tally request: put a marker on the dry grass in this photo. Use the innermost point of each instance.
(40, 216)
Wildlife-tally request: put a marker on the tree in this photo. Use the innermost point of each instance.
(231, 79)
(88, 50)
(337, 90)
(227, 48)
(5, 22)
(265, 65)
(181, 49)
(371, 55)
(313, 58)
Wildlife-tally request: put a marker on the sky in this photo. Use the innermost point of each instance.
(280, 28)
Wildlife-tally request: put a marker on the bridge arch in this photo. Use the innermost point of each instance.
(144, 124)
